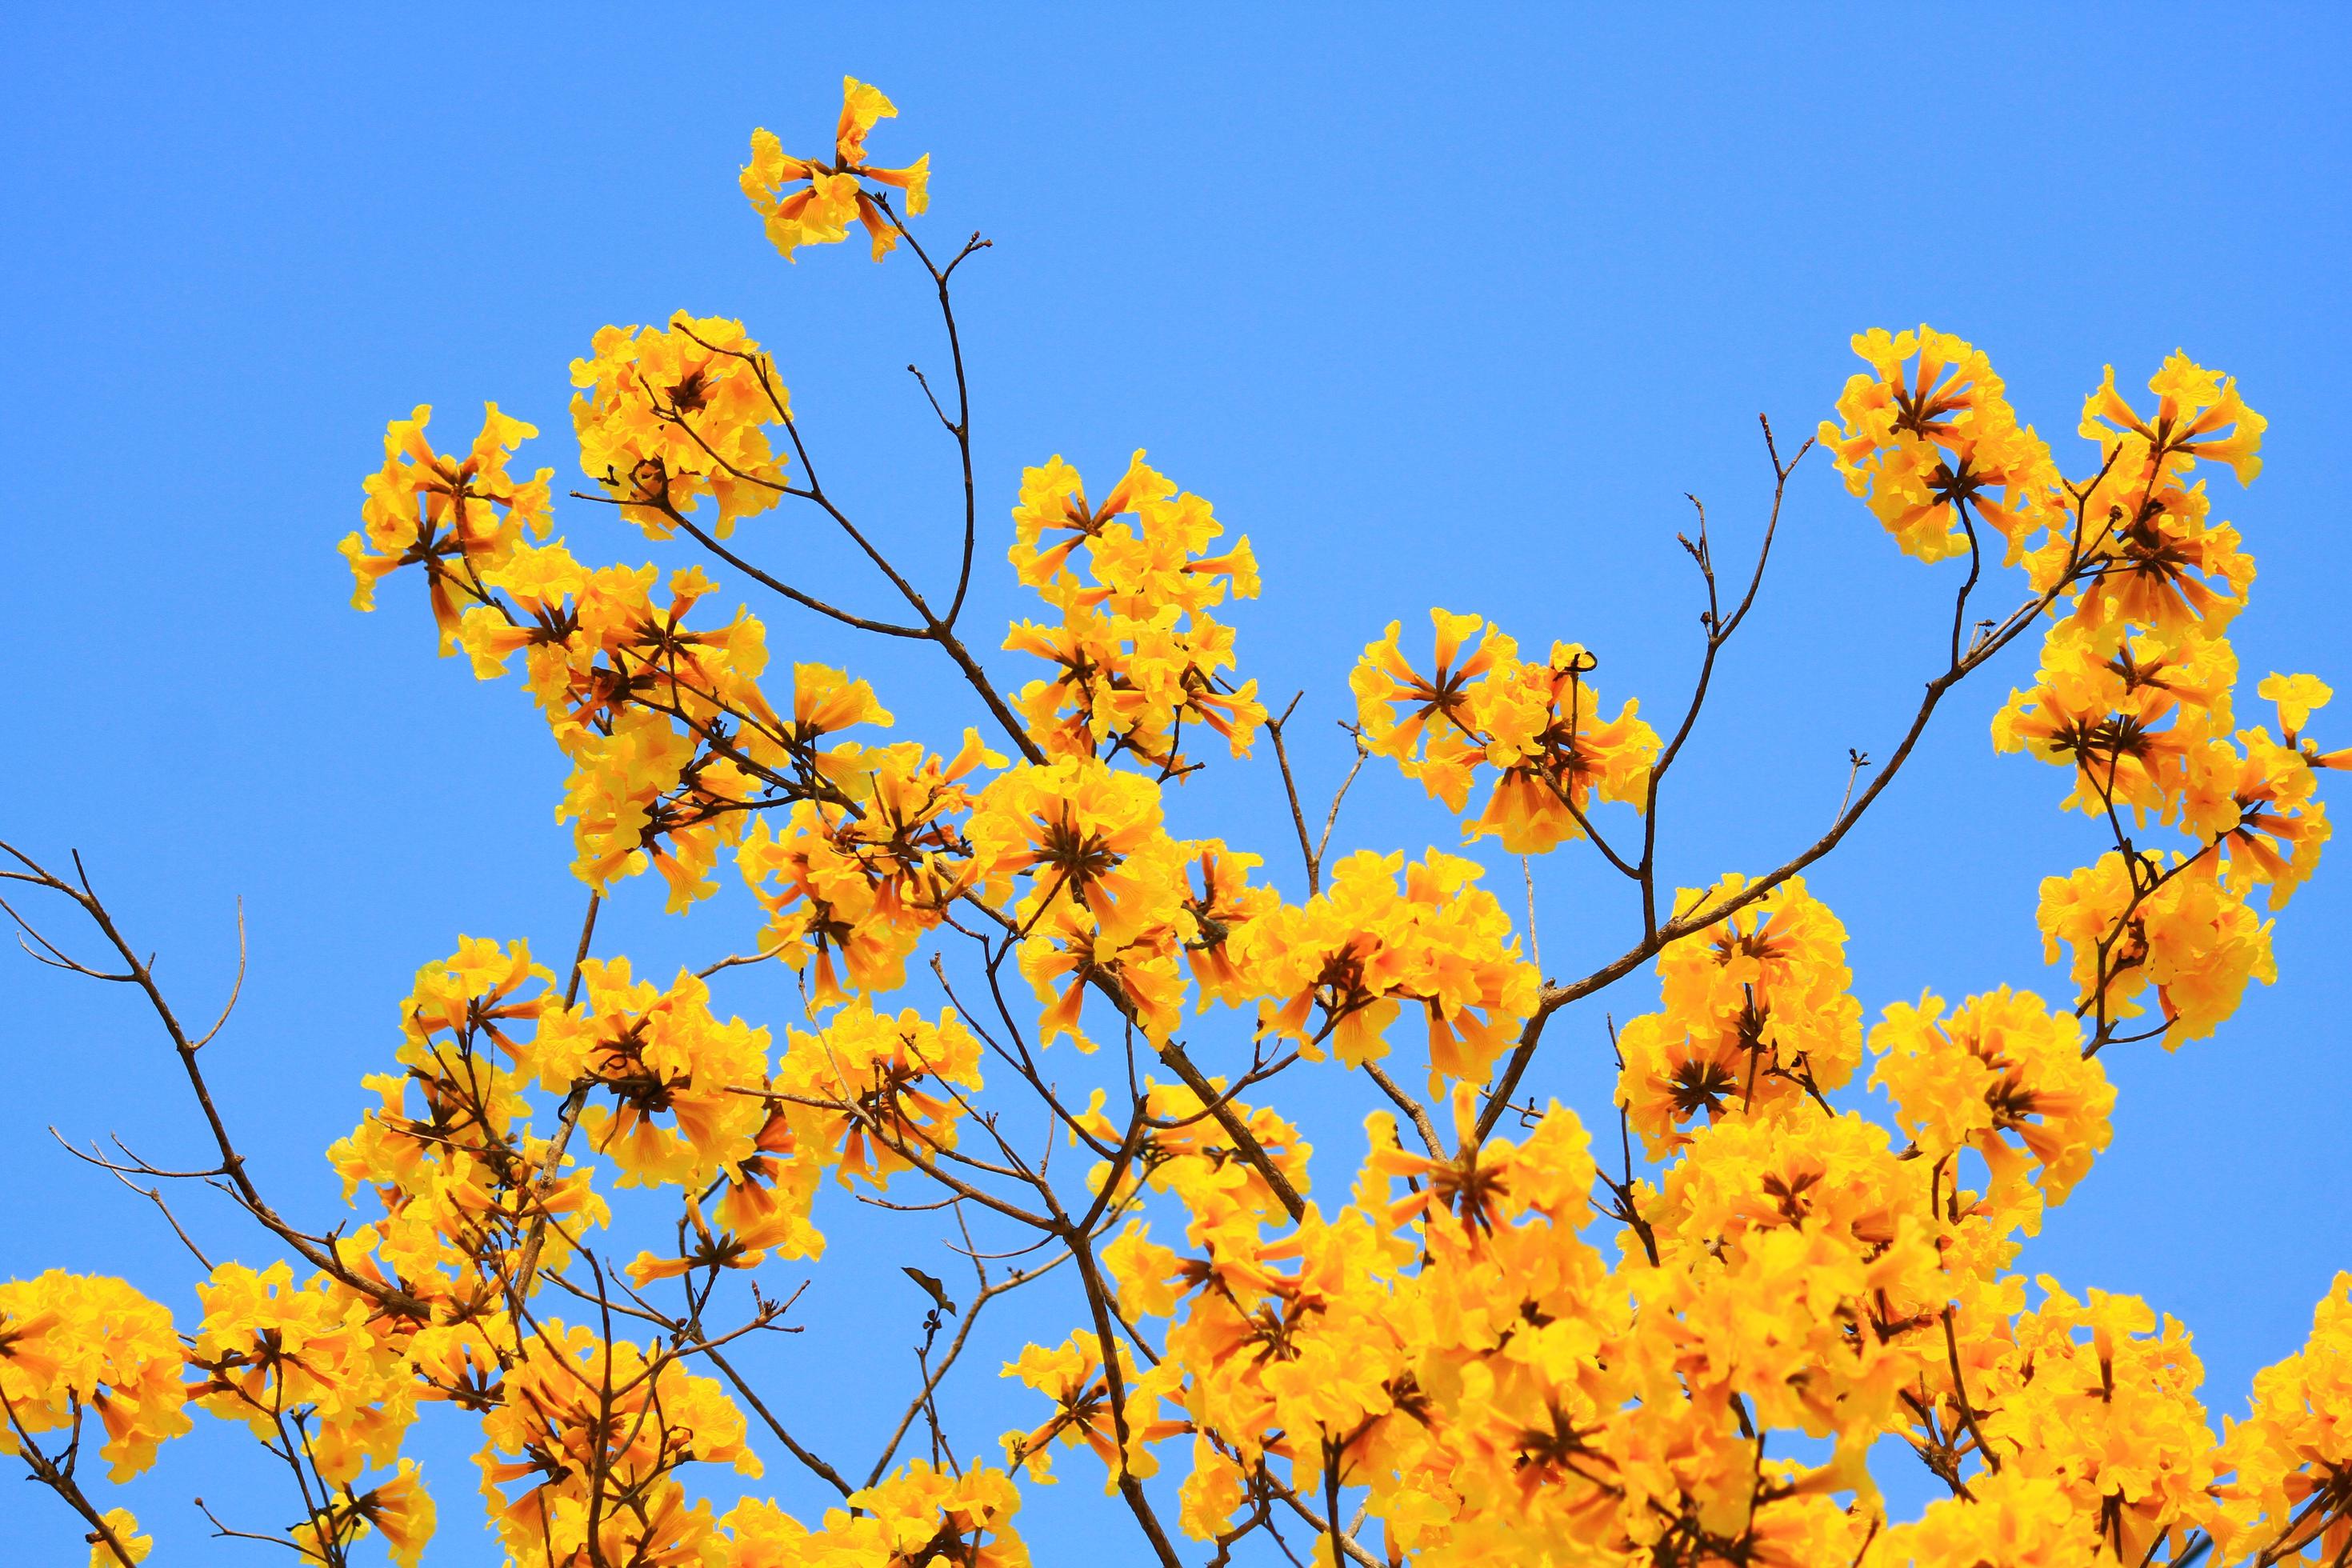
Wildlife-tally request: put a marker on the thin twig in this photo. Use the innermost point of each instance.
(155, 1196)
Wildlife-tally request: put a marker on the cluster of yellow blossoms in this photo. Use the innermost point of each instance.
(457, 518)
(1494, 1350)
(1337, 968)
(1538, 726)
(2133, 695)
(807, 201)
(1137, 654)
(70, 1343)
(667, 416)
(1754, 1017)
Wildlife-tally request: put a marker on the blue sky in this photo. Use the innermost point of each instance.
(1436, 312)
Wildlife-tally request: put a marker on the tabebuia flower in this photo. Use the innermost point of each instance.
(809, 201)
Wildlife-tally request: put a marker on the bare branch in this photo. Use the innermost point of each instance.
(1013, 1281)
(155, 1196)
(236, 989)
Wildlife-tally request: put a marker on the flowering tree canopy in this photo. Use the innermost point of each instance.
(1487, 1337)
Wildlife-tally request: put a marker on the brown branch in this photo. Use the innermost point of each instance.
(236, 987)
(1317, 1522)
(155, 1196)
(1290, 788)
(1409, 1105)
(1115, 1384)
(1331, 818)
(815, 1464)
(1960, 1394)
(955, 1348)
(1719, 630)
(59, 1480)
(314, 1250)
(962, 425)
(806, 601)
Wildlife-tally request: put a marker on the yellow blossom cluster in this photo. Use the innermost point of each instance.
(1754, 1013)
(2291, 1459)
(2134, 696)
(271, 1351)
(1929, 440)
(1537, 725)
(1460, 1351)
(671, 737)
(2101, 1399)
(1104, 895)
(854, 876)
(874, 1086)
(921, 1516)
(2128, 723)
(2002, 1076)
(661, 723)
(1337, 971)
(1079, 1381)
(583, 1451)
(457, 518)
(1136, 654)
(807, 201)
(2188, 940)
(672, 1091)
(398, 1509)
(2007, 1518)
(446, 1152)
(72, 1342)
(665, 417)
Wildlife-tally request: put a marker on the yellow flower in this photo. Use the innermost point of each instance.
(1359, 952)
(1754, 1013)
(401, 1510)
(2255, 802)
(1138, 655)
(665, 417)
(2016, 1520)
(901, 1081)
(457, 518)
(2193, 404)
(2295, 1445)
(77, 1343)
(920, 1515)
(1434, 738)
(577, 1411)
(1543, 729)
(2098, 1397)
(1540, 725)
(821, 212)
(1933, 445)
(266, 1346)
(2127, 720)
(673, 1071)
(2002, 1066)
(125, 1528)
(872, 863)
(1145, 1270)
(1107, 891)
(1072, 1376)
(2298, 697)
(2194, 939)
